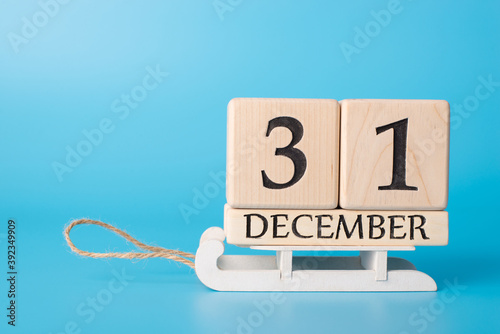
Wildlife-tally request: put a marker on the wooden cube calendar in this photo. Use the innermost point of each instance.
(315, 175)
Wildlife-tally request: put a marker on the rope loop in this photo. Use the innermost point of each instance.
(151, 251)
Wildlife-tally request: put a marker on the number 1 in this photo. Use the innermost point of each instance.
(400, 129)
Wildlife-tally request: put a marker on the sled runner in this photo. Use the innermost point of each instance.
(372, 270)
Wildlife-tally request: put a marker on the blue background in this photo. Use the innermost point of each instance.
(64, 78)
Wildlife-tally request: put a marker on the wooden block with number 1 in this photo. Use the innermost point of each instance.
(394, 154)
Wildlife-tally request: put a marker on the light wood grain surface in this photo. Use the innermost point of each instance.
(251, 149)
(366, 158)
(337, 227)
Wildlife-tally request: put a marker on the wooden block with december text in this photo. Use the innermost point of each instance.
(282, 153)
(335, 227)
(394, 154)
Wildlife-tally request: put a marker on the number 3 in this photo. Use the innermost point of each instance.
(297, 156)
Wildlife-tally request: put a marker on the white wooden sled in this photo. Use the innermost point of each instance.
(372, 270)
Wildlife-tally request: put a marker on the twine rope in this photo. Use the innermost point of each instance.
(152, 251)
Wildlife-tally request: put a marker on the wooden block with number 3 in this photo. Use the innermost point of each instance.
(394, 154)
(283, 153)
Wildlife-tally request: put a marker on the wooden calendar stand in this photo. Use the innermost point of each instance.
(372, 270)
(303, 173)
